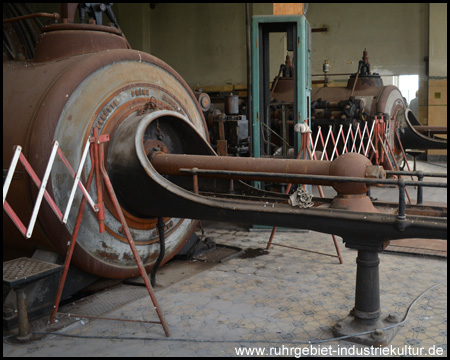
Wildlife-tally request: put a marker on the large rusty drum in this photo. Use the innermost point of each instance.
(84, 77)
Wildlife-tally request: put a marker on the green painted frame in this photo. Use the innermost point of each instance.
(302, 66)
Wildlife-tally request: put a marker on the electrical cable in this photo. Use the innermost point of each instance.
(316, 341)
(431, 163)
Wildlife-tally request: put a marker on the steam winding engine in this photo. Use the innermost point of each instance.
(364, 98)
(84, 77)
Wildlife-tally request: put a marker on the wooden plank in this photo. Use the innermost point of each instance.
(288, 8)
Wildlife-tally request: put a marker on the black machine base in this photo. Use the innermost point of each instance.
(194, 246)
(377, 337)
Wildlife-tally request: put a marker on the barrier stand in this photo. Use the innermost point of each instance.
(97, 161)
(72, 241)
(43, 193)
(377, 140)
(361, 136)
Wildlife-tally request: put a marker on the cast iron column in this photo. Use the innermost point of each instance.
(365, 323)
(367, 294)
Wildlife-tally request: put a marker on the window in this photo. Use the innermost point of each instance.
(408, 84)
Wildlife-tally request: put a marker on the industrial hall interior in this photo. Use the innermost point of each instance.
(224, 179)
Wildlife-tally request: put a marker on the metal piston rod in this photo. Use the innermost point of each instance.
(353, 165)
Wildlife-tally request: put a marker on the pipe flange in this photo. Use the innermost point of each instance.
(152, 145)
(375, 172)
(366, 315)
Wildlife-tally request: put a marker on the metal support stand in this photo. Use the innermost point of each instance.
(366, 316)
(17, 275)
(414, 154)
(162, 250)
(22, 315)
(97, 160)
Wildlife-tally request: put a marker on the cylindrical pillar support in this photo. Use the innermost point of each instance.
(367, 293)
(22, 315)
(365, 324)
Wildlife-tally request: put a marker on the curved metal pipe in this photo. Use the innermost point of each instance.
(154, 194)
(411, 138)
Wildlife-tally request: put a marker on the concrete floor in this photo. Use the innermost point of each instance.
(280, 302)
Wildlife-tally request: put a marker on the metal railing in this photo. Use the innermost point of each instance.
(401, 183)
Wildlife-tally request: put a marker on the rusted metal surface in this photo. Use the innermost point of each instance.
(68, 11)
(360, 203)
(283, 90)
(64, 100)
(22, 315)
(204, 100)
(222, 147)
(81, 27)
(62, 41)
(367, 88)
(322, 29)
(170, 164)
(350, 164)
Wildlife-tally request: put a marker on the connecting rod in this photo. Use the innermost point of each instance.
(350, 165)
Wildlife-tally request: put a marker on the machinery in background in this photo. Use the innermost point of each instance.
(228, 130)
(364, 99)
(358, 106)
